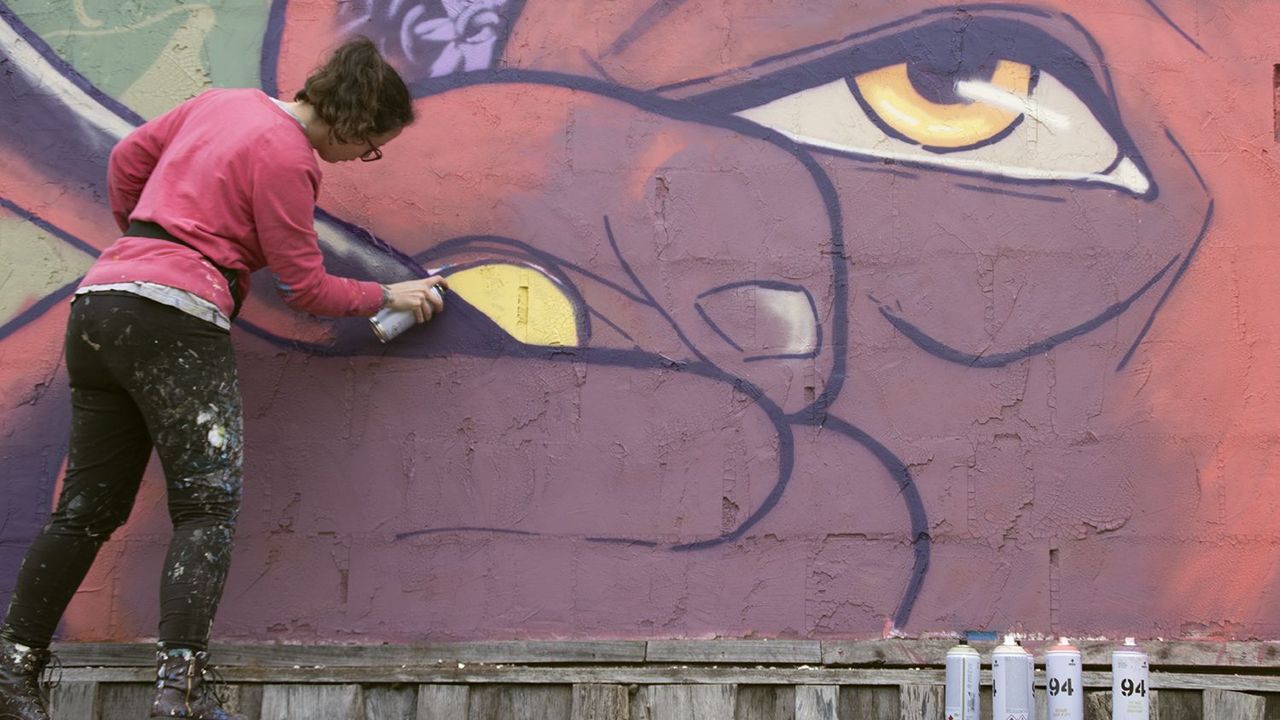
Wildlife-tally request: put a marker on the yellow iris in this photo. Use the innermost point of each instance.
(890, 94)
(525, 303)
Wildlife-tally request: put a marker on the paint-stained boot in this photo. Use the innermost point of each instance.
(22, 697)
(182, 690)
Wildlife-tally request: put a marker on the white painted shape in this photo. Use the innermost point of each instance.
(990, 94)
(33, 65)
(792, 308)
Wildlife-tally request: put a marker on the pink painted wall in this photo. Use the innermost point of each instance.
(774, 319)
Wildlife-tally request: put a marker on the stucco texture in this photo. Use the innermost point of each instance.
(820, 318)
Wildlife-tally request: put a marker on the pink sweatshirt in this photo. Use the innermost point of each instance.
(233, 174)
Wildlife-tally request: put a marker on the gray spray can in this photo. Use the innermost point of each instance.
(1012, 675)
(963, 668)
(389, 323)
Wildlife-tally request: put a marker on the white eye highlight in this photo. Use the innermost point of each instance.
(1054, 135)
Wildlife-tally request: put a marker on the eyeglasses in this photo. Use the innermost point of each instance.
(373, 153)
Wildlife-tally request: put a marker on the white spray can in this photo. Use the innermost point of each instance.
(389, 323)
(1012, 675)
(1130, 683)
(963, 668)
(1063, 680)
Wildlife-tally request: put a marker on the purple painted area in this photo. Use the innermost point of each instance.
(815, 392)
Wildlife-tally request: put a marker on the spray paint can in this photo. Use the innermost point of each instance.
(1012, 675)
(963, 668)
(1063, 680)
(1130, 683)
(389, 323)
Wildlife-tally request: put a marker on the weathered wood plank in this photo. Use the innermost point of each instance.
(903, 651)
(644, 675)
(75, 700)
(765, 702)
(685, 702)
(817, 702)
(124, 700)
(921, 702)
(743, 651)
(520, 702)
(273, 655)
(246, 699)
(1177, 705)
(869, 703)
(1224, 705)
(882, 652)
(600, 702)
(443, 702)
(1097, 706)
(391, 702)
(312, 702)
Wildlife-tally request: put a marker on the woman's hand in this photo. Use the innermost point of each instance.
(420, 296)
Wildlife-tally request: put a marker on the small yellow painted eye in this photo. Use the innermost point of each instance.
(991, 109)
(524, 302)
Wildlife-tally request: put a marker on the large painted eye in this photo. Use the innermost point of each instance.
(992, 97)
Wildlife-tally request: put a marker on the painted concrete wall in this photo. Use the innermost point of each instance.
(771, 318)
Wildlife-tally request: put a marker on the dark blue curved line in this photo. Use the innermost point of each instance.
(596, 313)
(269, 65)
(1187, 157)
(1010, 193)
(767, 284)
(786, 464)
(655, 14)
(1169, 21)
(549, 262)
(463, 528)
(875, 30)
(545, 261)
(635, 278)
(938, 349)
(781, 356)
(622, 541)
(716, 328)
(48, 227)
(38, 308)
(1204, 230)
(1177, 277)
(65, 68)
(363, 235)
(921, 541)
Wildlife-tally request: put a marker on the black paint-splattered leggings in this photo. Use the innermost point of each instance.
(142, 374)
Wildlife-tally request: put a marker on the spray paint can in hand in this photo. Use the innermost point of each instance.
(1012, 674)
(963, 668)
(1130, 683)
(389, 323)
(1063, 679)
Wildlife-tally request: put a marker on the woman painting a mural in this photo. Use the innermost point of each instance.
(220, 186)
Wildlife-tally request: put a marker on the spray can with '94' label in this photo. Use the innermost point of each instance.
(1129, 683)
(963, 667)
(1063, 678)
(1012, 674)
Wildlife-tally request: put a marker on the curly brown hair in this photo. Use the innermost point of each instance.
(357, 94)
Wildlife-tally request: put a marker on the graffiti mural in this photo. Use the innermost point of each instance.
(768, 318)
